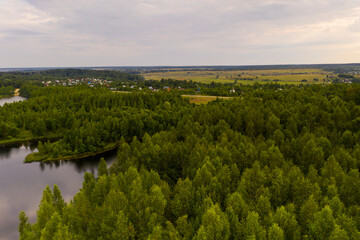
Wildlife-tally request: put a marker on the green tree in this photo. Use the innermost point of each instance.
(287, 221)
(24, 225)
(251, 181)
(338, 234)
(51, 227)
(275, 233)
(307, 212)
(58, 200)
(323, 224)
(102, 170)
(312, 154)
(183, 200)
(214, 225)
(254, 230)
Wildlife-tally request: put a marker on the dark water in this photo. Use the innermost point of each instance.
(10, 100)
(21, 184)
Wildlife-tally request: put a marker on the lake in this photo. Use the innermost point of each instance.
(10, 100)
(21, 185)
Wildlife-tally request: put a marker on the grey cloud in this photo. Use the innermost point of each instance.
(128, 18)
(21, 32)
(153, 29)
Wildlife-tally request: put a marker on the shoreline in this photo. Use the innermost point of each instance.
(12, 141)
(2, 96)
(36, 157)
(16, 93)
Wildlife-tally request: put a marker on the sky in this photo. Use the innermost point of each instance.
(80, 33)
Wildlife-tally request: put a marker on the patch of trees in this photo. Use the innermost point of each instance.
(7, 91)
(269, 165)
(87, 118)
(172, 83)
(343, 75)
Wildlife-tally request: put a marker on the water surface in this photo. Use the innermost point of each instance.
(21, 184)
(10, 100)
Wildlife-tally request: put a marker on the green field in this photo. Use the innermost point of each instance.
(284, 76)
(200, 99)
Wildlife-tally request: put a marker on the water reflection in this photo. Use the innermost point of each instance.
(88, 164)
(23, 145)
(21, 185)
(4, 153)
(11, 100)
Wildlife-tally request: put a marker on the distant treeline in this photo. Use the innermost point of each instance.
(17, 79)
(337, 68)
(214, 88)
(82, 73)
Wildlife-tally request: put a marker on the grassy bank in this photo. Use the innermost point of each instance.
(26, 138)
(38, 157)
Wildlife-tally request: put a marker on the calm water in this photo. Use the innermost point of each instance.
(10, 100)
(21, 184)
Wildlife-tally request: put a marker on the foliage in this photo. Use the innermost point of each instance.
(269, 165)
(6, 91)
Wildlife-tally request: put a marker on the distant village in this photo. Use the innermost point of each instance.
(139, 86)
(95, 82)
(83, 81)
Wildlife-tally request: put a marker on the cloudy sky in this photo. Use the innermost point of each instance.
(63, 33)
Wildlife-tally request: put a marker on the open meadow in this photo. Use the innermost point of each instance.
(283, 76)
(201, 99)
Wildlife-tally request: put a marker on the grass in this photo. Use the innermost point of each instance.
(36, 157)
(200, 99)
(283, 76)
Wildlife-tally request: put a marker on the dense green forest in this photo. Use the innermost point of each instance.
(6, 91)
(267, 165)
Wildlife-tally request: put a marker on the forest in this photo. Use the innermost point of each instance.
(266, 165)
(6, 92)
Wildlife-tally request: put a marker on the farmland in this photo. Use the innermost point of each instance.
(201, 99)
(284, 76)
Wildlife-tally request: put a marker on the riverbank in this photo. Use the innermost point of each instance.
(17, 92)
(11, 141)
(5, 96)
(38, 157)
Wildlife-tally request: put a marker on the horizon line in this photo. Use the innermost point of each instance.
(181, 66)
